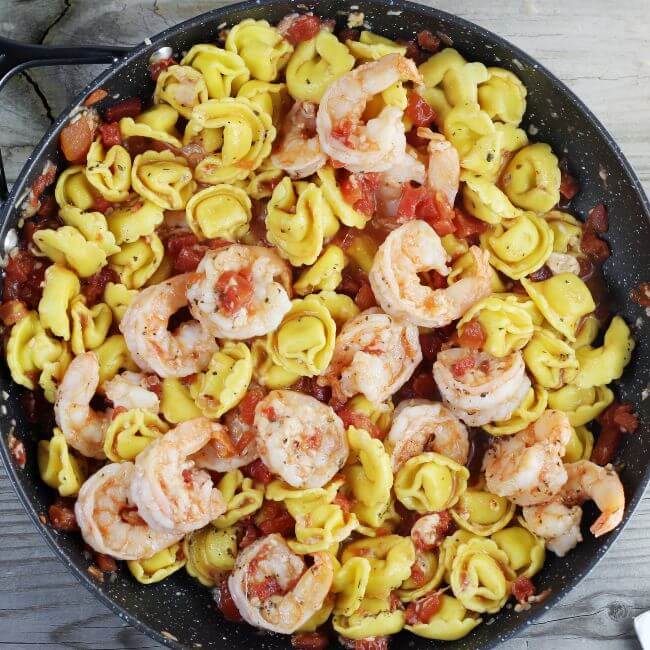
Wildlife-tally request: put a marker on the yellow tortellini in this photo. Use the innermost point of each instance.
(262, 47)
(587, 331)
(61, 286)
(374, 617)
(163, 178)
(73, 189)
(362, 250)
(90, 325)
(242, 498)
(158, 566)
(118, 298)
(567, 231)
(138, 218)
(92, 225)
(430, 572)
(109, 172)
(550, 360)
(315, 64)
(176, 402)
(450, 546)
(342, 210)
(530, 410)
(53, 372)
(138, 261)
(301, 501)
(262, 182)
(324, 274)
(563, 300)
(526, 552)
(465, 266)
(350, 584)
(606, 363)
(271, 98)
(450, 623)
(210, 554)
(519, 246)
(303, 343)
(182, 87)
(430, 482)
(371, 47)
(580, 445)
(581, 405)
(341, 307)
(130, 432)
(268, 373)
(485, 201)
(460, 83)
(156, 123)
(512, 138)
(58, 467)
(436, 67)
(113, 357)
(506, 323)
(502, 96)
(532, 178)
(245, 136)
(482, 512)
(222, 71)
(225, 381)
(219, 211)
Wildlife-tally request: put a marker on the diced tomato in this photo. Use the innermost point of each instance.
(419, 111)
(49, 206)
(75, 139)
(415, 140)
(522, 589)
(420, 203)
(226, 604)
(434, 279)
(100, 204)
(352, 418)
(542, 273)
(348, 34)
(309, 386)
(247, 406)
(94, 286)
(250, 535)
(24, 276)
(309, 641)
(274, 518)
(424, 387)
(95, 96)
(234, 290)
(459, 368)
(597, 219)
(472, 335)
(61, 514)
(372, 643)
(568, 185)
(300, 28)
(43, 181)
(265, 589)
(17, 450)
(359, 190)
(258, 471)
(159, 66)
(130, 107)
(617, 419)
(105, 563)
(423, 609)
(596, 248)
(409, 201)
(418, 576)
(641, 295)
(110, 134)
(12, 311)
(428, 41)
(342, 131)
(269, 413)
(154, 384)
(129, 515)
(467, 226)
(187, 476)
(244, 440)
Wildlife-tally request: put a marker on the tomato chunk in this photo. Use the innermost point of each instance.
(419, 111)
(300, 28)
(274, 518)
(420, 203)
(95, 96)
(359, 190)
(93, 287)
(423, 609)
(61, 514)
(616, 420)
(130, 107)
(472, 335)
(110, 134)
(157, 67)
(467, 226)
(352, 418)
(235, 291)
(247, 406)
(226, 604)
(641, 294)
(522, 589)
(309, 641)
(75, 140)
(459, 368)
(258, 471)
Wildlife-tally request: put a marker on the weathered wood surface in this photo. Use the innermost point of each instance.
(599, 48)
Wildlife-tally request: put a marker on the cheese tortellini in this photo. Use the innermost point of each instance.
(156, 123)
(182, 87)
(176, 402)
(130, 432)
(219, 211)
(324, 274)
(73, 189)
(210, 553)
(138, 218)
(530, 410)
(525, 551)
(61, 286)
(222, 71)
(109, 172)
(59, 467)
(137, 261)
(451, 622)
(242, 496)
(163, 178)
(481, 512)
(550, 360)
(581, 405)
(502, 96)
(158, 566)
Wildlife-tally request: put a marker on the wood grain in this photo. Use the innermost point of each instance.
(600, 49)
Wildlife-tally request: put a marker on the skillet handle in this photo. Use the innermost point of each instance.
(16, 57)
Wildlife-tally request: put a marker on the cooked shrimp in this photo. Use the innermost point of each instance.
(557, 524)
(240, 291)
(443, 172)
(479, 388)
(429, 531)
(108, 520)
(374, 355)
(273, 589)
(419, 425)
(171, 493)
(153, 347)
(376, 145)
(223, 453)
(82, 427)
(298, 150)
(527, 467)
(299, 438)
(411, 249)
(130, 390)
(405, 169)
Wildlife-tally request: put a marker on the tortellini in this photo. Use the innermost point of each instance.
(550, 360)
(271, 98)
(92, 225)
(430, 482)
(263, 181)
(90, 325)
(567, 231)
(341, 307)
(210, 554)
(242, 498)
(176, 402)
(505, 322)
(138, 261)
(482, 512)
(371, 47)
(61, 286)
(341, 209)
(532, 178)
(381, 415)
(526, 552)
(222, 71)
(73, 189)
(182, 87)
(450, 623)
(427, 573)
(519, 246)
(261, 46)
(315, 64)
(138, 218)
(324, 274)
(130, 432)
(580, 445)
(502, 96)
(219, 211)
(460, 83)
(113, 357)
(465, 267)
(299, 502)
(530, 410)
(485, 201)
(362, 250)
(109, 172)
(58, 467)
(350, 584)
(156, 123)
(158, 566)
(225, 381)
(118, 298)
(563, 300)
(581, 405)
(374, 617)
(268, 373)
(304, 341)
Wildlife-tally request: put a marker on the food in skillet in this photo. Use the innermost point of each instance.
(313, 325)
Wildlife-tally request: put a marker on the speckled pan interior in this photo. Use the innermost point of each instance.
(179, 612)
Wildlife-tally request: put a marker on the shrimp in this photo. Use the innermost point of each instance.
(299, 438)
(130, 390)
(419, 425)
(374, 355)
(274, 590)
(527, 467)
(298, 151)
(240, 291)
(153, 347)
(231, 449)
(107, 518)
(391, 185)
(82, 427)
(479, 388)
(376, 145)
(411, 249)
(557, 524)
(171, 493)
(430, 530)
(443, 171)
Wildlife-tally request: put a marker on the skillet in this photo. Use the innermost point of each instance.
(178, 612)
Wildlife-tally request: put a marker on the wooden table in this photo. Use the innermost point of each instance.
(599, 48)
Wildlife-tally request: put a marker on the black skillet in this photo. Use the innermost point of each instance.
(178, 612)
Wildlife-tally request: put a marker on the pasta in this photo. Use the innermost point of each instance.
(113, 356)
(371, 47)
(136, 219)
(242, 498)
(219, 211)
(130, 432)
(222, 71)
(61, 286)
(137, 261)
(525, 551)
(58, 467)
(551, 361)
(271, 98)
(73, 189)
(451, 622)
(481, 512)
(580, 446)
(157, 123)
(324, 274)
(159, 566)
(90, 326)
(502, 96)
(163, 178)
(581, 405)
(210, 553)
(176, 402)
(268, 373)
(182, 88)
(118, 298)
(109, 172)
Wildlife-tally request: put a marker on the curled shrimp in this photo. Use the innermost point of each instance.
(479, 388)
(376, 145)
(298, 151)
(153, 347)
(130, 390)
(230, 449)
(240, 292)
(443, 170)
(405, 169)
(413, 248)
(419, 425)
(299, 438)
(108, 520)
(171, 493)
(527, 467)
(83, 427)
(555, 523)
(274, 590)
(374, 355)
